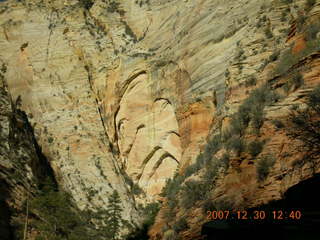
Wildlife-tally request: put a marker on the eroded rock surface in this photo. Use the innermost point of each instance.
(136, 87)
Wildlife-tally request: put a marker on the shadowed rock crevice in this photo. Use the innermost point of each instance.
(5, 215)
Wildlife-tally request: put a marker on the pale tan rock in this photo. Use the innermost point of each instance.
(139, 88)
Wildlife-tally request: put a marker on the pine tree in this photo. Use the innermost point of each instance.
(114, 215)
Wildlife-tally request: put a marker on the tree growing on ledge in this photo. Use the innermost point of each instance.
(306, 126)
(114, 215)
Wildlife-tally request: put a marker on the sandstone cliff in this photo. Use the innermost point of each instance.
(123, 94)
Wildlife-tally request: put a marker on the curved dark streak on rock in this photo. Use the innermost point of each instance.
(159, 162)
(175, 133)
(115, 137)
(146, 160)
(126, 153)
(122, 92)
(130, 88)
(140, 126)
(128, 81)
(150, 155)
(167, 101)
(160, 99)
(121, 122)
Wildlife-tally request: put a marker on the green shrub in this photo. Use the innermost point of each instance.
(314, 99)
(127, 179)
(286, 61)
(203, 159)
(236, 144)
(294, 82)
(306, 127)
(300, 22)
(264, 18)
(239, 123)
(87, 4)
(312, 31)
(252, 109)
(193, 191)
(258, 24)
(263, 65)
(310, 3)
(263, 166)
(224, 160)
(150, 211)
(255, 148)
(208, 205)
(169, 214)
(213, 146)
(240, 53)
(277, 123)
(113, 6)
(297, 80)
(172, 203)
(312, 46)
(170, 235)
(211, 172)
(193, 168)
(251, 81)
(172, 187)
(268, 33)
(257, 117)
(227, 73)
(136, 190)
(129, 31)
(274, 56)
(180, 225)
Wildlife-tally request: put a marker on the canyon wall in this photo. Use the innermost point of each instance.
(124, 94)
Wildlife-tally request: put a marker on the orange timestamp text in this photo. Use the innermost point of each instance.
(254, 215)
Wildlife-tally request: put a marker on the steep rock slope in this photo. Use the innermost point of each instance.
(252, 158)
(124, 93)
(52, 79)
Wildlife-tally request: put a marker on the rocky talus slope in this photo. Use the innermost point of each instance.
(124, 94)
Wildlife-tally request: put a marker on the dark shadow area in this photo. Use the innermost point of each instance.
(39, 164)
(282, 218)
(140, 234)
(5, 228)
(21, 138)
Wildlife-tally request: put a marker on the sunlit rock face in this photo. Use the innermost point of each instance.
(135, 87)
(148, 136)
(153, 123)
(132, 88)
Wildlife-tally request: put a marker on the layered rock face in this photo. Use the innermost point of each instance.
(104, 94)
(118, 89)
